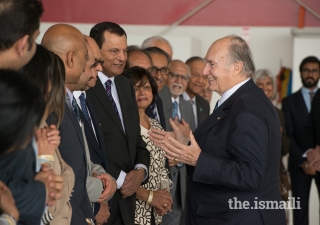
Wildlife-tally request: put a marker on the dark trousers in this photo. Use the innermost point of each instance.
(301, 185)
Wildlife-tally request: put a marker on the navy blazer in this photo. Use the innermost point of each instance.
(241, 144)
(72, 150)
(296, 116)
(159, 105)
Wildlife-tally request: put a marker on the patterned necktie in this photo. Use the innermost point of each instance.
(191, 101)
(84, 108)
(75, 109)
(175, 110)
(216, 106)
(154, 112)
(311, 96)
(108, 90)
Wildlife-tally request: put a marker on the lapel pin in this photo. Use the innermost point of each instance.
(200, 109)
(218, 118)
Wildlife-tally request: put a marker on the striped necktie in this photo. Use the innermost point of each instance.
(175, 110)
(108, 90)
(84, 108)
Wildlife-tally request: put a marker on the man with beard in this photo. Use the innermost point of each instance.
(296, 108)
(175, 107)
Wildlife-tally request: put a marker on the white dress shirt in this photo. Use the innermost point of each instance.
(194, 106)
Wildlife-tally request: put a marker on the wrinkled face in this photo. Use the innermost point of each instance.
(160, 62)
(29, 50)
(96, 66)
(139, 59)
(164, 46)
(144, 95)
(310, 75)
(266, 85)
(87, 73)
(197, 81)
(114, 54)
(217, 69)
(178, 78)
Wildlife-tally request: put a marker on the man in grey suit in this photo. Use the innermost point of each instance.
(68, 42)
(175, 107)
(197, 82)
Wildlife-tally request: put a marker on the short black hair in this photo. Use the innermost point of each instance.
(138, 74)
(46, 69)
(151, 50)
(309, 59)
(21, 109)
(131, 49)
(17, 19)
(97, 31)
(194, 58)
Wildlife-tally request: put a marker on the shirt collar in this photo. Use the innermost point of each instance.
(70, 95)
(232, 90)
(306, 91)
(177, 100)
(103, 78)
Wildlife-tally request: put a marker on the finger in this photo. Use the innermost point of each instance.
(174, 123)
(174, 144)
(171, 150)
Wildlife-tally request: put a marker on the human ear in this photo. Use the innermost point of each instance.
(22, 45)
(70, 59)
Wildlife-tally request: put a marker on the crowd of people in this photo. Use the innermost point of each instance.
(93, 131)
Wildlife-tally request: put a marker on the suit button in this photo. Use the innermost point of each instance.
(175, 174)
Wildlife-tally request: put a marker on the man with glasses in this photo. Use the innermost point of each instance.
(297, 109)
(180, 110)
(114, 100)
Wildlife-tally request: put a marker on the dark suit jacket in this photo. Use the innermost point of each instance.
(203, 109)
(72, 151)
(311, 136)
(240, 143)
(296, 117)
(17, 171)
(160, 112)
(124, 149)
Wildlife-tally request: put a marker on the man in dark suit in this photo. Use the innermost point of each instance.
(20, 169)
(114, 100)
(234, 154)
(296, 109)
(139, 57)
(196, 84)
(68, 42)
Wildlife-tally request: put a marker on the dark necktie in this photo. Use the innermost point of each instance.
(175, 110)
(75, 109)
(311, 96)
(84, 108)
(191, 102)
(154, 112)
(108, 90)
(216, 106)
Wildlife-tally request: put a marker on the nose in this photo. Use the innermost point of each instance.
(122, 55)
(99, 67)
(158, 74)
(205, 71)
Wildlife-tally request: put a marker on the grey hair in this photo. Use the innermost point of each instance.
(240, 52)
(150, 41)
(262, 74)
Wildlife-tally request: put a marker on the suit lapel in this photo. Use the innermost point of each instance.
(301, 102)
(101, 94)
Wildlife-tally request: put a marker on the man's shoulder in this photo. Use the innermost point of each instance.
(292, 97)
(202, 101)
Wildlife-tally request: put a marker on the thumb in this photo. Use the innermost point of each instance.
(173, 123)
(192, 139)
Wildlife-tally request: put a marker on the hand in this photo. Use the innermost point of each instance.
(103, 214)
(183, 127)
(110, 187)
(172, 162)
(182, 153)
(309, 170)
(316, 166)
(48, 140)
(52, 182)
(162, 202)
(132, 182)
(313, 155)
(7, 204)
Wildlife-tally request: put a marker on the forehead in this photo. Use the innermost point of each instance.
(218, 50)
(139, 56)
(179, 67)
(164, 46)
(158, 58)
(114, 41)
(311, 65)
(90, 52)
(95, 48)
(197, 65)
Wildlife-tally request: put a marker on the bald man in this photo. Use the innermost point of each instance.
(160, 42)
(68, 42)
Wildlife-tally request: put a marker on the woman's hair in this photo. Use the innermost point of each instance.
(21, 109)
(138, 74)
(262, 74)
(47, 71)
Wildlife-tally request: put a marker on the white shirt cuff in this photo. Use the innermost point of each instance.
(305, 155)
(145, 169)
(120, 179)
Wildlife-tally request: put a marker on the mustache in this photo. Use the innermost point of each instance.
(157, 79)
(177, 84)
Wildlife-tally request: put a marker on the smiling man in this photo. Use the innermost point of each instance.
(113, 98)
(235, 152)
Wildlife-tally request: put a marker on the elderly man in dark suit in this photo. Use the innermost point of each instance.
(234, 154)
(114, 100)
(197, 82)
(296, 109)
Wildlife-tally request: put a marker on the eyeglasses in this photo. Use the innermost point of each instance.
(175, 76)
(307, 71)
(115, 52)
(96, 62)
(155, 70)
